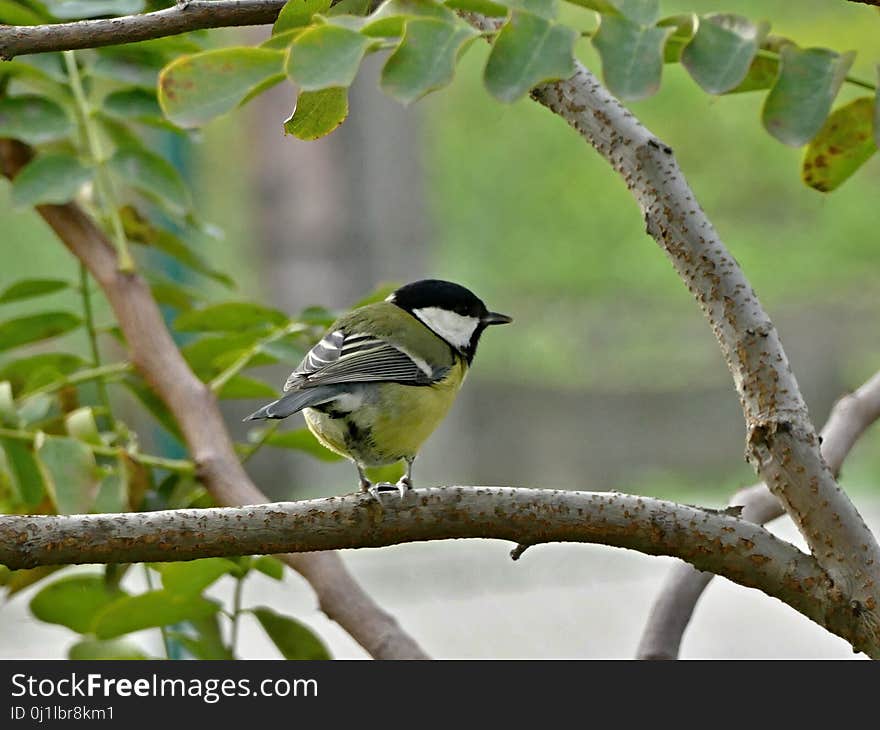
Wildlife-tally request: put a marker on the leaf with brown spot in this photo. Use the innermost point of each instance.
(841, 147)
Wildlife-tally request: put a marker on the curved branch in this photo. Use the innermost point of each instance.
(156, 357)
(781, 442)
(851, 416)
(743, 551)
(18, 40)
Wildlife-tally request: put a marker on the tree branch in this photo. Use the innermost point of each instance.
(156, 357)
(851, 416)
(19, 40)
(781, 442)
(742, 551)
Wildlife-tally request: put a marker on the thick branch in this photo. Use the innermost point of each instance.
(743, 551)
(781, 442)
(851, 416)
(156, 357)
(18, 40)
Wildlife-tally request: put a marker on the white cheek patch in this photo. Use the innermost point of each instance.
(456, 329)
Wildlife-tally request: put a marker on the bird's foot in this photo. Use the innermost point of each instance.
(402, 486)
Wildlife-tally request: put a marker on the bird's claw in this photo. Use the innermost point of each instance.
(401, 487)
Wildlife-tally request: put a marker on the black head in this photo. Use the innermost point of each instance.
(453, 312)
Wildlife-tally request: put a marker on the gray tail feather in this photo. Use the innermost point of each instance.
(293, 402)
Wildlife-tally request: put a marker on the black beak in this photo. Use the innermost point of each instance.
(495, 318)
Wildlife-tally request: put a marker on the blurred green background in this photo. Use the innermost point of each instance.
(608, 350)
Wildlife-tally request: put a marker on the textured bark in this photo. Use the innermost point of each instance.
(744, 552)
(18, 40)
(851, 416)
(723, 543)
(156, 357)
(781, 442)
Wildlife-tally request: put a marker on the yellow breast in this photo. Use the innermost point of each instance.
(393, 422)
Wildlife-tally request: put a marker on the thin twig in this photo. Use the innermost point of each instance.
(89, 317)
(236, 613)
(252, 449)
(181, 466)
(104, 372)
(18, 40)
(166, 640)
(243, 360)
(109, 204)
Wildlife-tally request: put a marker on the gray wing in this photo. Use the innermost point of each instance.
(359, 358)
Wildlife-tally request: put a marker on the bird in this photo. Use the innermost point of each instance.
(385, 375)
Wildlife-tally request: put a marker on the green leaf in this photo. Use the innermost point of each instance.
(11, 13)
(721, 52)
(70, 472)
(22, 371)
(208, 644)
(877, 111)
(27, 288)
(74, 601)
(112, 494)
(241, 386)
(483, 7)
(326, 56)
(425, 59)
(547, 9)
(127, 70)
(81, 425)
(35, 409)
(36, 327)
(350, 7)
(206, 354)
(528, 51)
(643, 12)
(90, 649)
(391, 16)
(302, 440)
(297, 13)
(8, 412)
(632, 56)
(18, 580)
(133, 103)
(270, 566)
(33, 119)
(140, 230)
(761, 75)
(154, 405)
(318, 113)
(287, 349)
(841, 147)
(27, 479)
(683, 28)
(193, 576)
(201, 649)
(293, 639)
(229, 317)
(153, 176)
(76, 9)
(195, 89)
(809, 79)
(173, 294)
(149, 610)
(53, 178)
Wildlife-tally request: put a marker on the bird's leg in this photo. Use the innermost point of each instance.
(365, 484)
(404, 484)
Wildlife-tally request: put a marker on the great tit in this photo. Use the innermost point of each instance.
(384, 375)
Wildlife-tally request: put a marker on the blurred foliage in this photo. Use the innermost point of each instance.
(555, 246)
